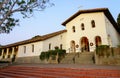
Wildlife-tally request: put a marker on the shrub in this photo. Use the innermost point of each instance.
(44, 55)
(101, 49)
(53, 53)
(118, 45)
(56, 47)
(61, 54)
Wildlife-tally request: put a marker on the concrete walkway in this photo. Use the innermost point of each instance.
(74, 66)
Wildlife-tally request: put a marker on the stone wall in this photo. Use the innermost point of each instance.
(6, 59)
(109, 57)
(34, 59)
(31, 59)
(53, 60)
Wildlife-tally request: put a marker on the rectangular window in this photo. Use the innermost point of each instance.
(73, 28)
(50, 46)
(24, 49)
(93, 23)
(61, 46)
(32, 48)
(82, 27)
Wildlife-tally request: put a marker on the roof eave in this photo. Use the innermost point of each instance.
(35, 39)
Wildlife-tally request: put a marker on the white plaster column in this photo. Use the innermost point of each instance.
(13, 52)
(1, 57)
(6, 56)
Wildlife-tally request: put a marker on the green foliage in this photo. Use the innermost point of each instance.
(52, 53)
(61, 52)
(42, 56)
(56, 47)
(45, 55)
(118, 45)
(25, 7)
(100, 50)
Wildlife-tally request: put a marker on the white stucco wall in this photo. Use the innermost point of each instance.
(55, 41)
(42, 46)
(37, 49)
(89, 32)
(112, 33)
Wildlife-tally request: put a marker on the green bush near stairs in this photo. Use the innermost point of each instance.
(102, 50)
(52, 53)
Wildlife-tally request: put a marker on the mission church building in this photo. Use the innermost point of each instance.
(91, 28)
(84, 31)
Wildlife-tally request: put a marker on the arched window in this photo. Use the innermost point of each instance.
(93, 23)
(73, 28)
(98, 41)
(82, 26)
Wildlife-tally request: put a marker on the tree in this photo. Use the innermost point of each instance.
(25, 7)
(118, 20)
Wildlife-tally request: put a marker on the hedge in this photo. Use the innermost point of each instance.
(46, 54)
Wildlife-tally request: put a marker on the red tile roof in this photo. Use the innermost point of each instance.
(35, 39)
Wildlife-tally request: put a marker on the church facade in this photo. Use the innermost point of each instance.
(91, 28)
(84, 31)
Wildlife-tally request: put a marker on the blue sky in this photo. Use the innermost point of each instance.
(50, 19)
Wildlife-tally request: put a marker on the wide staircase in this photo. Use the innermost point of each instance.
(68, 58)
(85, 58)
(47, 72)
(79, 58)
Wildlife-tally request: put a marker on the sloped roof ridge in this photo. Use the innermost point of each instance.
(94, 9)
(35, 39)
(104, 10)
(83, 11)
(47, 36)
